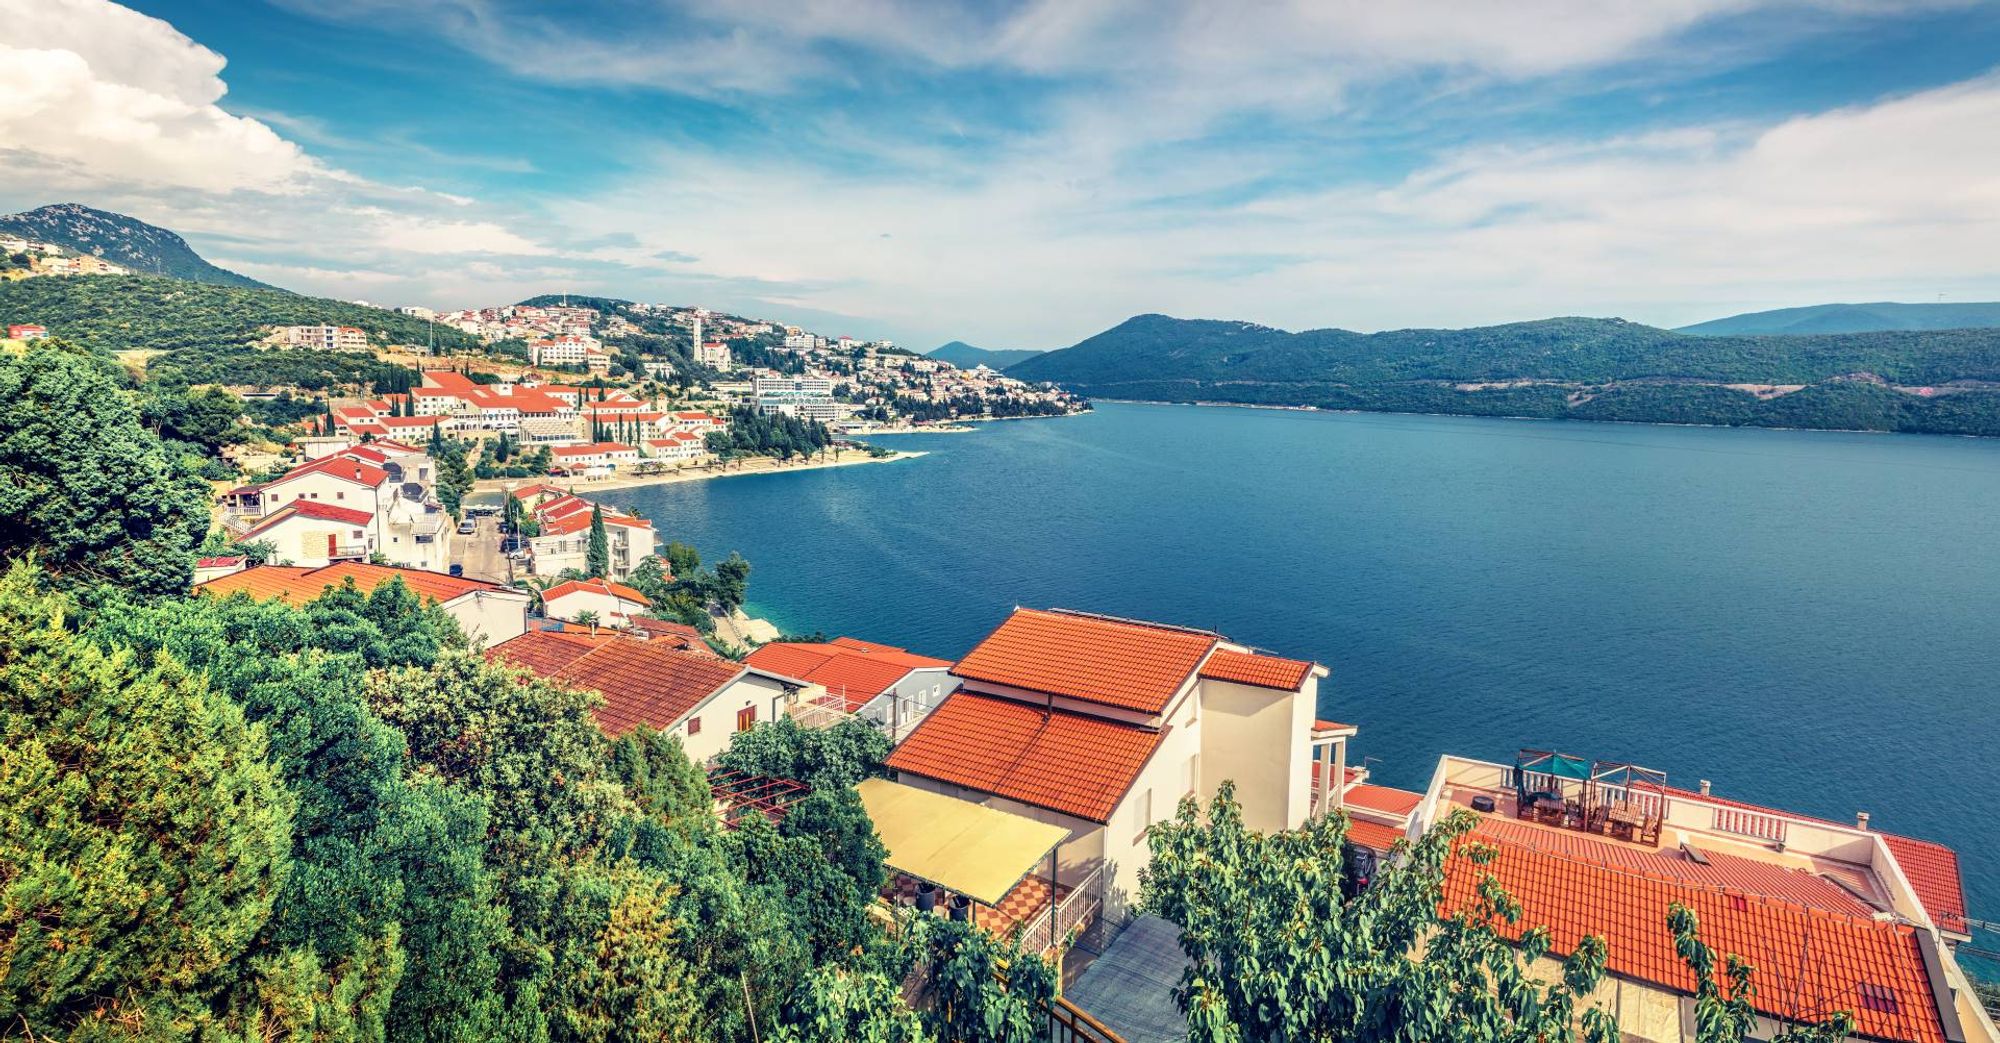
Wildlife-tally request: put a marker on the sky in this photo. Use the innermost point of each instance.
(1023, 175)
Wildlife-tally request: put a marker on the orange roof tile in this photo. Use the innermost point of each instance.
(1723, 871)
(1375, 835)
(642, 682)
(1263, 671)
(1383, 799)
(309, 509)
(543, 652)
(297, 585)
(1810, 963)
(1930, 867)
(594, 586)
(853, 670)
(1135, 666)
(1068, 762)
(337, 467)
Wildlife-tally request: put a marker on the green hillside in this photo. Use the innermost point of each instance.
(130, 312)
(1853, 318)
(121, 240)
(965, 356)
(1602, 369)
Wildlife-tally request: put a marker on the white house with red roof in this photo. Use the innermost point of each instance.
(610, 603)
(390, 484)
(891, 688)
(563, 541)
(314, 532)
(486, 611)
(1102, 725)
(593, 459)
(678, 449)
(1834, 916)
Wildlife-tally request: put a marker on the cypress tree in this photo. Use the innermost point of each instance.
(597, 561)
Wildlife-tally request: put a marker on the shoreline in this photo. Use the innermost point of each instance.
(754, 466)
(1205, 404)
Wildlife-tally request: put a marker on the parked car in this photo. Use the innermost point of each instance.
(512, 544)
(467, 528)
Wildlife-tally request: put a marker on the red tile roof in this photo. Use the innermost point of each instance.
(1383, 799)
(853, 670)
(594, 586)
(297, 585)
(1810, 963)
(1376, 835)
(337, 467)
(1134, 666)
(1069, 762)
(1723, 871)
(1263, 671)
(222, 562)
(1930, 867)
(317, 509)
(543, 652)
(642, 682)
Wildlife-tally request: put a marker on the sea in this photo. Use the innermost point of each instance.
(1810, 620)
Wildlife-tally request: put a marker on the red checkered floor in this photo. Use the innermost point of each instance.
(1023, 903)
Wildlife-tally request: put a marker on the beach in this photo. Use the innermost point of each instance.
(752, 466)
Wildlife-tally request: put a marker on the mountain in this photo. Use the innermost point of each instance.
(127, 312)
(965, 356)
(1853, 318)
(121, 240)
(1581, 368)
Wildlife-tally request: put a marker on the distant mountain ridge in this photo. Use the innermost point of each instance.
(128, 241)
(965, 356)
(1877, 317)
(1581, 368)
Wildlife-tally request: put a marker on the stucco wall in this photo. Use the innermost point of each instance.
(718, 715)
(490, 616)
(1254, 736)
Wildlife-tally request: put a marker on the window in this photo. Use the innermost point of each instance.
(1143, 811)
(746, 718)
(1191, 775)
(694, 726)
(340, 496)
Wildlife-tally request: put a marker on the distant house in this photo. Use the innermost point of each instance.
(206, 569)
(27, 332)
(486, 611)
(889, 687)
(611, 604)
(324, 337)
(702, 699)
(312, 532)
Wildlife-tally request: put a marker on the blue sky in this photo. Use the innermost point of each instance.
(1024, 175)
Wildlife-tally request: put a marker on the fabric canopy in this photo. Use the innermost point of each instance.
(967, 848)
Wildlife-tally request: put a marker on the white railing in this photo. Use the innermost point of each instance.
(1048, 927)
(1745, 823)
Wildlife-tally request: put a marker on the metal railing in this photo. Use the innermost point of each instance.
(1079, 906)
(1069, 1023)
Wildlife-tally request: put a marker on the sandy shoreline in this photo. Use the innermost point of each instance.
(753, 466)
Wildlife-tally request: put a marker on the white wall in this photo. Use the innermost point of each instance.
(1256, 737)
(718, 714)
(611, 610)
(491, 616)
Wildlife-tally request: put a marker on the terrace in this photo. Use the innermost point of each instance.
(1560, 803)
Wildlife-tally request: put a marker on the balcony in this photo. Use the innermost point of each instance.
(347, 551)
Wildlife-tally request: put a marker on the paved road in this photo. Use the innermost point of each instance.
(479, 553)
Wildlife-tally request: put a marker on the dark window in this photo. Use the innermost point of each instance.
(694, 726)
(746, 718)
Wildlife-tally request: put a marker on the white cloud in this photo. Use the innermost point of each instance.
(101, 94)
(420, 236)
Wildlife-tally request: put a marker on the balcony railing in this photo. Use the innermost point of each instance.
(1074, 909)
(348, 550)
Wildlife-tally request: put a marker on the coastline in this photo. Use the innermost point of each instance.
(1208, 404)
(754, 466)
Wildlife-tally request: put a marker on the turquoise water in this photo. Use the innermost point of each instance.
(1809, 619)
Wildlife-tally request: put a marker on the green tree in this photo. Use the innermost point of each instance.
(732, 582)
(629, 983)
(143, 834)
(1723, 1013)
(822, 758)
(1277, 952)
(597, 557)
(86, 485)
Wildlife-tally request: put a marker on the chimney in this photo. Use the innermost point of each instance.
(1704, 787)
(1861, 820)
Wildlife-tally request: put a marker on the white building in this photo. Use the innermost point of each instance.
(486, 612)
(611, 604)
(328, 338)
(1101, 725)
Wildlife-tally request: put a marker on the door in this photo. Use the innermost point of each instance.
(746, 718)
(332, 544)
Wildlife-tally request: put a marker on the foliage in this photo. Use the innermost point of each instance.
(822, 758)
(1595, 369)
(970, 1002)
(597, 555)
(454, 475)
(127, 312)
(1722, 1013)
(144, 838)
(85, 484)
(1278, 953)
(838, 1005)
(751, 433)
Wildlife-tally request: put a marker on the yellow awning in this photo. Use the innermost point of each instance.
(960, 846)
